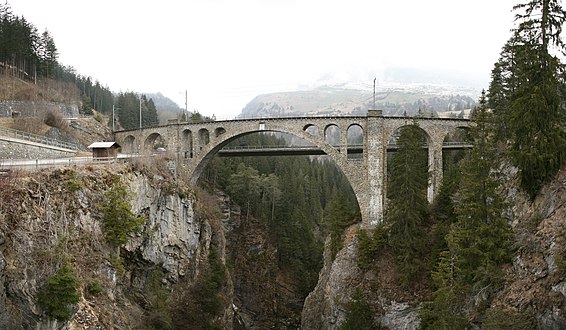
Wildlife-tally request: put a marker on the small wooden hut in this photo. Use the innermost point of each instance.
(104, 149)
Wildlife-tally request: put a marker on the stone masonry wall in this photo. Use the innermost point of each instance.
(36, 108)
(14, 150)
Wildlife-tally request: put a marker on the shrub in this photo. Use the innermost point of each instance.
(94, 287)
(72, 183)
(499, 318)
(55, 119)
(59, 293)
(28, 124)
(118, 264)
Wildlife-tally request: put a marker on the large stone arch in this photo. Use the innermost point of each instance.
(207, 152)
(202, 158)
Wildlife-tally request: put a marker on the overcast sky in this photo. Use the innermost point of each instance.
(225, 52)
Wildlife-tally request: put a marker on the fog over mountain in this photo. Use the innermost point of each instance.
(398, 91)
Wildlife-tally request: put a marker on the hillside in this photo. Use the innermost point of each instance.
(393, 99)
(12, 88)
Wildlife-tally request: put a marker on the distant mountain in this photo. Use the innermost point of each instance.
(166, 108)
(393, 99)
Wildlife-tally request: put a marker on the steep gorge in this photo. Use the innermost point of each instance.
(176, 272)
(198, 262)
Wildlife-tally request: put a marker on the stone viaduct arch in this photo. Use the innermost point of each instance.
(194, 144)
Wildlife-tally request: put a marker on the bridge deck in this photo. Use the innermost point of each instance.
(250, 151)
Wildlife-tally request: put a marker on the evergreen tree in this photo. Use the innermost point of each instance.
(481, 239)
(150, 114)
(244, 187)
(337, 217)
(528, 93)
(60, 292)
(407, 206)
(128, 113)
(359, 315)
(48, 54)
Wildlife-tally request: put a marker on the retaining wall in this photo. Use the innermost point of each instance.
(8, 108)
(15, 150)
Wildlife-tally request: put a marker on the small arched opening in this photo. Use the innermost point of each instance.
(408, 156)
(187, 143)
(154, 143)
(129, 145)
(355, 140)
(311, 129)
(203, 137)
(219, 131)
(332, 135)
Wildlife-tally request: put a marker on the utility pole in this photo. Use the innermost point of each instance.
(112, 118)
(140, 114)
(374, 93)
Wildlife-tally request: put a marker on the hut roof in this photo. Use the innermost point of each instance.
(103, 145)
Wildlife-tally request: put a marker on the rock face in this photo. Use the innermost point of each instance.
(534, 287)
(55, 214)
(325, 307)
(535, 282)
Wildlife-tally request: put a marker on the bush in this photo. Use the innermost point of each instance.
(159, 316)
(59, 293)
(499, 318)
(55, 119)
(72, 183)
(94, 287)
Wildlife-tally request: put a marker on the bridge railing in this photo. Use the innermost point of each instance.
(10, 132)
(41, 163)
(287, 116)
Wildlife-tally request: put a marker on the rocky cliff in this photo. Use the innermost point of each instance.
(533, 293)
(55, 215)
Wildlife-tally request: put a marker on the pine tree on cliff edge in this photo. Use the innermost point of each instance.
(528, 93)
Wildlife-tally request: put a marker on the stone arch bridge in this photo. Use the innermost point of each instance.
(193, 145)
